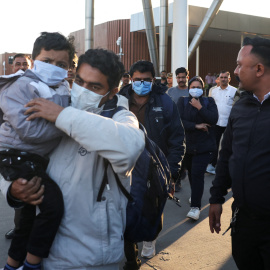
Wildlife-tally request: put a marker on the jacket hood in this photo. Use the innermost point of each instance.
(7, 80)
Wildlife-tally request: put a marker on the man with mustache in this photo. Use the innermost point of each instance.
(243, 163)
(181, 90)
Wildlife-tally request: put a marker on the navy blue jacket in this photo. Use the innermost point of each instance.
(165, 129)
(198, 141)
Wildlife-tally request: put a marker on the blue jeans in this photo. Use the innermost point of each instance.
(196, 166)
(219, 132)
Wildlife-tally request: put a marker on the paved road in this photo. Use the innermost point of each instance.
(182, 245)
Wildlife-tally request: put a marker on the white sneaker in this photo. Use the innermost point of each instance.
(149, 249)
(189, 200)
(211, 169)
(194, 213)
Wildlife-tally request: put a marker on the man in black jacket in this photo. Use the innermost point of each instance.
(159, 115)
(244, 160)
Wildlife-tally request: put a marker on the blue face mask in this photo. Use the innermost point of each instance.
(195, 92)
(48, 73)
(142, 88)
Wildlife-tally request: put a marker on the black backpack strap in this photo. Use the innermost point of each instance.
(122, 188)
(105, 182)
(110, 113)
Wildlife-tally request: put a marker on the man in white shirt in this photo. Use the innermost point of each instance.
(223, 96)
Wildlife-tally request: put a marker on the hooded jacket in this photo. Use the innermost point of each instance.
(163, 127)
(91, 232)
(38, 136)
(90, 235)
(198, 141)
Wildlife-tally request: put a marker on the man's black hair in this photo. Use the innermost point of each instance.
(142, 66)
(163, 71)
(197, 79)
(54, 41)
(261, 47)
(225, 71)
(181, 70)
(107, 62)
(21, 55)
(126, 75)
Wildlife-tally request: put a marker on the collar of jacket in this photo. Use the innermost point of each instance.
(28, 73)
(111, 104)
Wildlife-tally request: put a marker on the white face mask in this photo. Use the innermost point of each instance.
(84, 99)
(195, 92)
(49, 74)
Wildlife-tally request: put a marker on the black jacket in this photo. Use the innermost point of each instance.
(244, 161)
(166, 132)
(198, 141)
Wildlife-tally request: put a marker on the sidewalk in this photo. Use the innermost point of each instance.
(183, 244)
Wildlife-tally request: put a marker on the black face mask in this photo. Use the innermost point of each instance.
(237, 78)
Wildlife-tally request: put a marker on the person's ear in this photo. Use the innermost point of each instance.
(113, 92)
(260, 69)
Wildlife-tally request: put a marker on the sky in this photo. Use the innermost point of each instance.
(22, 21)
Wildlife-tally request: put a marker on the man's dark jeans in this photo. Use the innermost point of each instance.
(251, 242)
(219, 132)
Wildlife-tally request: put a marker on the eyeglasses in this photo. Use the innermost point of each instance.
(138, 83)
(144, 80)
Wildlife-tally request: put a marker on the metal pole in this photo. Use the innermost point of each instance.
(242, 39)
(89, 24)
(209, 17)
(163, 35)
(180, 35)
(150, 32)
(198, 61)
(4, 65)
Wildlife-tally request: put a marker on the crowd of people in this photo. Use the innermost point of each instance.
(54, 140)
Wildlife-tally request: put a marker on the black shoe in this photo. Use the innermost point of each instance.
(10, 234)
(133, 265)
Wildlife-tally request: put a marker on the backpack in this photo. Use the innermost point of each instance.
(148, 193)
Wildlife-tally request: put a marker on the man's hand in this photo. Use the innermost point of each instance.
(215, 212)
(40, 107)
(30, 192)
